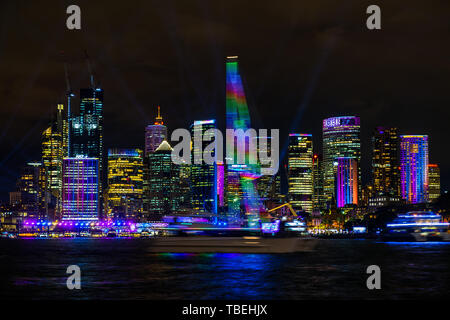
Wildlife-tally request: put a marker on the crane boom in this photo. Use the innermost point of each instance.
(287, 204)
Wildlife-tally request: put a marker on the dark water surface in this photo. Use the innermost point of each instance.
(123, 269)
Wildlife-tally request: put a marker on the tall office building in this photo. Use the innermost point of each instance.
(434, 182)
(319, 202)
(163, 194)
(203, 176)
(155, 134)
(414, 168)
(125, 183)
(243, 201)
(29, 197)
(385, 164)
(54, 149)
(341, 138)
(346, 182)
(86, 132)
(52, 154)
(80, 189)
(300, 171)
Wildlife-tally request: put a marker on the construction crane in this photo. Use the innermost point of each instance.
(287, 204)
(69, 95)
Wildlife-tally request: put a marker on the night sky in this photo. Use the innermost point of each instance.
(301, 61)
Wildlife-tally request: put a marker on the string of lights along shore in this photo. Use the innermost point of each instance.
(77, 180)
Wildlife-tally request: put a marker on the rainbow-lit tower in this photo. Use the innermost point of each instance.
(243, 201)
(414, 168)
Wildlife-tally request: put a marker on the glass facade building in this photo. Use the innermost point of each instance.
(204, 176)
(300, 172)
(414, 168)
(80, 189)
(163, 194)
(385, 164)
(319, 202)
(346, 182)
(341, 138)
(125, 184)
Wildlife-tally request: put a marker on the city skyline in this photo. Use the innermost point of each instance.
(189, 84)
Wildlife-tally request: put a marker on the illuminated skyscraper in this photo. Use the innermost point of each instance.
(52, 154)
(87, 129)
(203, 176)
(434, 185)
(243, 201)
(319, 202)
(300, 171)
(29, 197)
(385, 164)
(125, 183)
(414, 168)
(54, 149)
(341, 139)
(80, 189)
(346, 181)
(163, 194)
(155, 134)
(86, 132)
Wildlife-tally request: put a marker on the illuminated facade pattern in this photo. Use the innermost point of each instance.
(155, 134)
(241, 187)
(346, 181)
(203, 176)
(125, 183)
(341, 138)
(80, 189)
(385, 165)
(434, 182)
(300, 171)
(414, 168)
(163, 197)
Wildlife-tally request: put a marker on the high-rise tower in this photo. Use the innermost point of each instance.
(385, 164)
(125, 184)
(346, 182)
(341, 139)
(414, 168)
(300, 171)
(203, 176)
(243, 201)
(155, 134)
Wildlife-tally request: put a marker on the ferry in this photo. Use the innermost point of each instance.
(417, 226)
(245, 244)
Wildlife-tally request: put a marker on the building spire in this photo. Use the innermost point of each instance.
(159, 119)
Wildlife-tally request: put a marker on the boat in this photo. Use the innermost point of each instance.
(417, 226)
(246, 244)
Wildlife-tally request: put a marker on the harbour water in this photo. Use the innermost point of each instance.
(125, 269)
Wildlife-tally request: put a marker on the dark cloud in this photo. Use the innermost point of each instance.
(301, 62)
